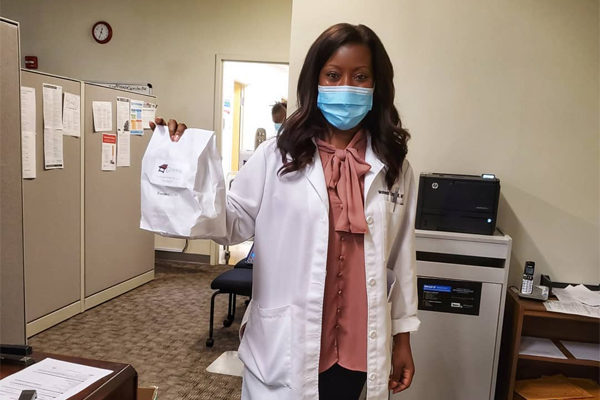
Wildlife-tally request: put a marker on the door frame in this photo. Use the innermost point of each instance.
(218, 106)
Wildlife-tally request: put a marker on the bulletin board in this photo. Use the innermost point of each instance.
(12, 298)
(116, 249)
(52, 218)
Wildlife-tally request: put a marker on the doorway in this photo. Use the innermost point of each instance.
(249, 89)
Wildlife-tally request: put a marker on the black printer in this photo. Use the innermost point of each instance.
(458, 203)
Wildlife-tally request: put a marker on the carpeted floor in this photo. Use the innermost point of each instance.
(160, 329)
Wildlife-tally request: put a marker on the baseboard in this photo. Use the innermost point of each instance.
(182, 257)
(117, 290)
(49, 320)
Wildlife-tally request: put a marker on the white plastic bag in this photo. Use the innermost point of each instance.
(183, 190)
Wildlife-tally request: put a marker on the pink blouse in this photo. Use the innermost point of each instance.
(344, 331)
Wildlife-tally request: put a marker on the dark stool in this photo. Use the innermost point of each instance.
(236, 281)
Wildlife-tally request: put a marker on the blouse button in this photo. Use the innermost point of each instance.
(339, 310)
(340, 292)
(342, 238)
(341, 258)
(339, 274)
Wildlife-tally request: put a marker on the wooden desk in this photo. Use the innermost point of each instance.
(120, 385)
(525, 317)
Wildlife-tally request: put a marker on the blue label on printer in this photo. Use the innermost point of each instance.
(437, 288)
(449, 296)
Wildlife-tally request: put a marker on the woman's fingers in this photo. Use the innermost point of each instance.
(172, 128)
(178, 132)
(157, 121)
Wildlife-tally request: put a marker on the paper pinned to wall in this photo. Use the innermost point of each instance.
(53, 148)
(52, 104)
(28, 154)
(123, 149)
(102, 111)
(123, 134)
(28, 109)
(109, 152)
(72, 115)
(135, 126)
(148, 114)
(122, 114)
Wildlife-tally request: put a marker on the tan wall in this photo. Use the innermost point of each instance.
(169, 44)
(509, 87)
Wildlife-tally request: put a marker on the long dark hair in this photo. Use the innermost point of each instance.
(388, 138)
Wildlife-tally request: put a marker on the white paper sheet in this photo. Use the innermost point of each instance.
(52, 102)
(109, 152)
(52, 379)
(53, 148)
(28, 163)
(122, 114)
(572, 307)
(28, 109)
(72, 115)
(102, 111)
(148, 114)
(578, 293)
(123, 149)
(542, 347)
(583, 351)
(135, 120)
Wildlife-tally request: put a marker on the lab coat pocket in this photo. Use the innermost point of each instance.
(266, 348)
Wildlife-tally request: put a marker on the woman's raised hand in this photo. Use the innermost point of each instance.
(175, 129)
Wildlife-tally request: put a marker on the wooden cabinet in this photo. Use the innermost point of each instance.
(530, 318)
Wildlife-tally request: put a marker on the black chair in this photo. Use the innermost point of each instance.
(236, 281)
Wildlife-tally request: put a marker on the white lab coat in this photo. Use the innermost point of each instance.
(288, 217)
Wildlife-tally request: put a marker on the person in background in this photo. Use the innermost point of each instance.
(331, 203)
(278, 113)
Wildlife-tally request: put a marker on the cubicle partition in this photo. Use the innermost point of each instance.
(80, 227)
(12, 298)
(118, 255)
(52, 221)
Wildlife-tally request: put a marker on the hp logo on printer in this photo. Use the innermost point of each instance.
(434, 185)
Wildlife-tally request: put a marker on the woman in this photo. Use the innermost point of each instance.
(331, 204)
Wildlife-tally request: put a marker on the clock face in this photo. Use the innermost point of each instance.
(102, 32)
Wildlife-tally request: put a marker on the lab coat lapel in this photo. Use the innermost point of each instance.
(376, 166)
(316, 177)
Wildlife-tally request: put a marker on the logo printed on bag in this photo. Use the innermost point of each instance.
(162, 168)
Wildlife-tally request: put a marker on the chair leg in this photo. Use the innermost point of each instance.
(230, 311)
(210, 341)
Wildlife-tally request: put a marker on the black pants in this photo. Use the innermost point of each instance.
(339, 383)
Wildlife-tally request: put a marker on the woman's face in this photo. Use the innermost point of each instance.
(350, 65)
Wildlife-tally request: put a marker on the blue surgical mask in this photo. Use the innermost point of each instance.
(344, 106)
(277, 126)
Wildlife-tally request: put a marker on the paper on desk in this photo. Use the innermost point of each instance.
(27, 109)
(578, 293)
(534, 346)
(52, 379)
(572, 307)
(102, 111)
(583, 351)
(52, 102)
(72, 115)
